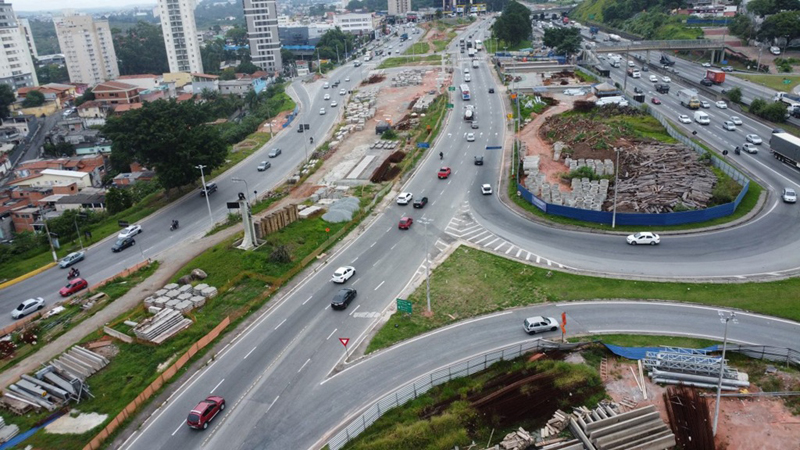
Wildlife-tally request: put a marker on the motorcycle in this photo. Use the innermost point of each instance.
(174, 225)
(73, 274)
(737, 151)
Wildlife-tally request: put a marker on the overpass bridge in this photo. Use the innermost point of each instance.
(717, 47)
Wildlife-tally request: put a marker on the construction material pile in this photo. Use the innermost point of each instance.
(61, 381)
(689, 417)
(7, 431)
(408, 77)
(169, 304)
(692, 367)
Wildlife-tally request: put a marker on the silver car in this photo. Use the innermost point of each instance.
(27, 307)
(789, 195)
(71, 259)
(539, 324)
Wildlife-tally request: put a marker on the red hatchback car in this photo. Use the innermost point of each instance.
(444, 172)
(205, 411)
(75, 285)
(655, 101)
(405, 223)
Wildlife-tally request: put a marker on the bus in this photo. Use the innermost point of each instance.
(464, 92)
(478, 45)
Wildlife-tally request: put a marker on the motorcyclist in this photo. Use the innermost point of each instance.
(311, 139)
(441, 155)
(74, 272)
(174, 224)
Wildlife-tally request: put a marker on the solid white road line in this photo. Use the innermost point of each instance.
(220, 382)
(334, 331)
(251, 351)
(304, 364)
(279, 325)
(354, 310)
(309, 298)
(378, 286)
(176, 429)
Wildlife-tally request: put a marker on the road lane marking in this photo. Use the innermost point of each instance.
(220, 381)
(373, 244)
(501, 244)
(356, 309)
(518, 253)
(491, 242)
(304, 364)
(329, 336)
(273, 402)
(251, 351)
(284, 320)
(176, 429)
(392, 248)
(378, 286)
(309, 298)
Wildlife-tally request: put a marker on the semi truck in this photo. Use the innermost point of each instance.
(469, 113)
(662, 88)
(665, 61)
(689, 98)
(715, 76)
(786, 147)
(792, 102)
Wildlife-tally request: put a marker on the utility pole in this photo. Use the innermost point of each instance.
(205, 192)
(724, 317)
(616, 183)
(427, 264)
(49, 238)
(77, 230)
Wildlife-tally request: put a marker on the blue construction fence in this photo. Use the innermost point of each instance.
(291, 117)
(648, 219)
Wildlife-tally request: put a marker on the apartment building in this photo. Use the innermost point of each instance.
(180, 35)
(27, 34)
(357, 24)
(399, 7)
(262, 34)
(16, 65)
(88, 48)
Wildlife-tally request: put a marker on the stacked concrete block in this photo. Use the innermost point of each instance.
(149, 301)
(161, 292)
(153, 327)
(209, 292)
(184, 306)
(559, 147)
(172, 293)
(198, 300)
(171, 286)
(410, 77)
(185, 288)
(154, 309)
(199, 288)
(185, 296)
(423, 103)
(171, 303)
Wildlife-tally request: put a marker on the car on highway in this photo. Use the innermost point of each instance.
(655, 101)
(419, 204)
(209, 189)
(750, 148)
(343, 298)
(637, 90)
(71, 259)
(405, 223)
(728, 125)
(706, 82)
(322, 111)
(122, 244)
(644, 237)
(705, 104)
(264, 165)
(474, 125)
(654, 78)
(274, 152)
(727, 69)
(347, 80)
(130, 231)
(74, 285)
(491, 90)
(645, 69)
(721, 104)
(334, 104)
(205, 411)
(735, 119)
(486, 189)
(27, 307)
(666, 79)
(705, 64)
(343, 274)
(789, 195)
(326, 97)
(684, 118)
(539, 324)
(470, 137)
(342, 92)
(631, 64)
(444, 172)
(479, 160)
(404, 198)
(753, 139)
(326, 86)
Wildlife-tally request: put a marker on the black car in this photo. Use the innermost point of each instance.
(122, 244)
(706, 82)
(479, 160)
(421, 202)
(637, 90)
(209, 189)
(343, 298)
(491, 90)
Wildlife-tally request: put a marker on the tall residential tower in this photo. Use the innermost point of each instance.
(180, 35)
(262, 34)
(88, 48)
(16, 65)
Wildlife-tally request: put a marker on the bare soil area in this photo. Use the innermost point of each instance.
(744, 423)
(536, 145)
(75, 422)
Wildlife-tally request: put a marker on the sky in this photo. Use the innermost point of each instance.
(58, 5)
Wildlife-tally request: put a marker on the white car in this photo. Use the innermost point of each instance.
(347, 80)
(706, 64)
(753, 139)
(486, 189)
(775, 50)
(631, 64)
(71, 259)
(343, 274)
(789, 195)
(470, 137)
(654, 78)
(327, 97)
(130, 231)
(644, 237)
(404, 198)
(684, 118)
(750, 148)
(342, 92)
(28, 306)
(721, 104)
(334, 104)
(666, 79)
(322, 111)
(735, 119)
(728, 125)
(538, 324)
(705, 104)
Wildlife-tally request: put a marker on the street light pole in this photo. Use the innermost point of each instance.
(724, 317)
(205, 192)
(427, 264)
(616, 184)
(77, 230)
(49, 238)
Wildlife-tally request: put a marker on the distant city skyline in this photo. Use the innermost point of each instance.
(57, 5)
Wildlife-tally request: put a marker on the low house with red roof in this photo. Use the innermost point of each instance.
(116, 93)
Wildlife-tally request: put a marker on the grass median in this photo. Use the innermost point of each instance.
(472, 283)
(410, 61)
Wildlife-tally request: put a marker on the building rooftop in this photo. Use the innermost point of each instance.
(113, 86)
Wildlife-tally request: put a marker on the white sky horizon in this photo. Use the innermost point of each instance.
(23, 6)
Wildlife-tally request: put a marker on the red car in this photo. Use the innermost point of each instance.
(444, 172)
(75, 285)
(655, 101)
(205, 411)
(405, 223)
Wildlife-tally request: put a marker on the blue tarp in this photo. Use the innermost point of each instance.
(22, 436)
(640, 352)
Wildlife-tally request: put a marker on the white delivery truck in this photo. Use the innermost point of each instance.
(701, 118)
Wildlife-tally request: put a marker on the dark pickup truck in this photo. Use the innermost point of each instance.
(209, 189)
(662, 88)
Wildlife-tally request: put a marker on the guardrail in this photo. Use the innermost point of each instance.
(424, 383)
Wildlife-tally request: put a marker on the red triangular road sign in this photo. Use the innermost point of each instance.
(344, 341)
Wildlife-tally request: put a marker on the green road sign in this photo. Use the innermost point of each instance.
(404, 306)
(451, 88)
(450, 105)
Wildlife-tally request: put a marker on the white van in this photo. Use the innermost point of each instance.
(701, 118)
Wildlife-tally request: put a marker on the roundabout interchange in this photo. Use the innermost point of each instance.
(285, 376)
